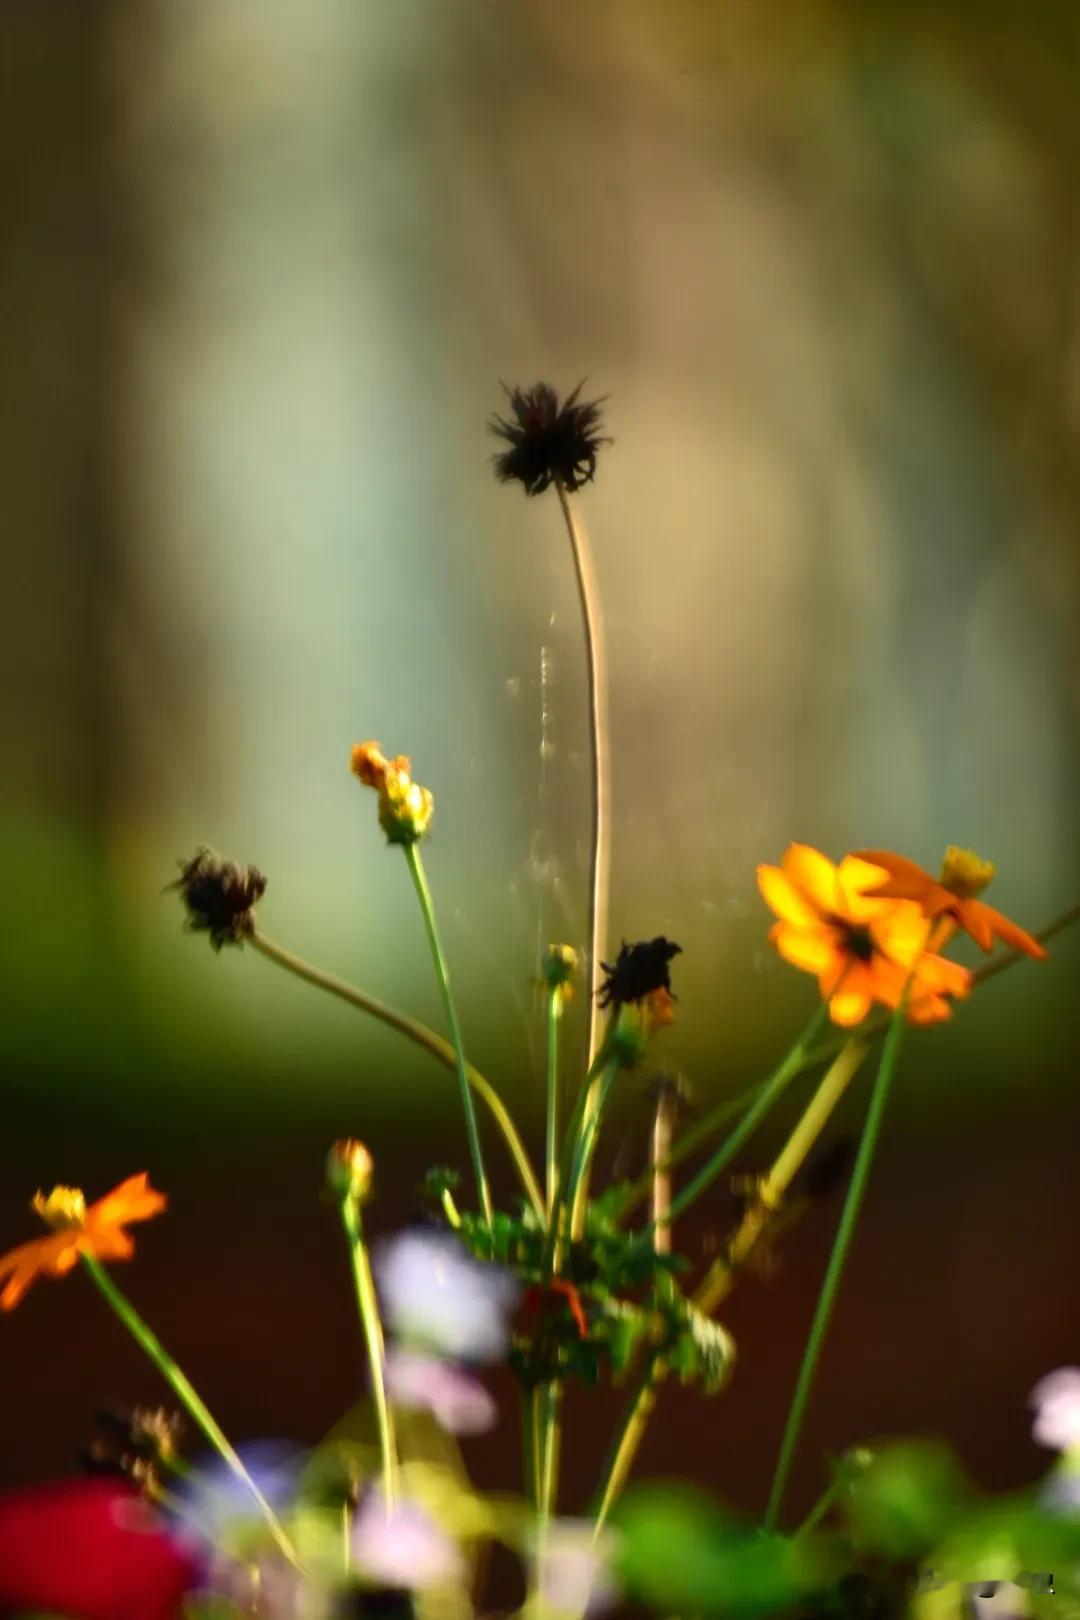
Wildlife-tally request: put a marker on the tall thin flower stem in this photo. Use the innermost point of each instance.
(773, 1186)
(685, 1144)
(596, 662)
(723, 1274)
(368, 1307)
(789, 1066)
(442, 973)
(577, 1196)
(421, 1036)
(187, 1394)
(834, 1272)
(667, 1104)
(551, 1156)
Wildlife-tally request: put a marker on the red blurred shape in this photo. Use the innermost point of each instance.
(89, 1550)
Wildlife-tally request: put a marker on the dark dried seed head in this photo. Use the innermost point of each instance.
(219, 896)
(637, 971)
(547, 441)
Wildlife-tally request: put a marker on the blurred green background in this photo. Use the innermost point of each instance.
(263, 267)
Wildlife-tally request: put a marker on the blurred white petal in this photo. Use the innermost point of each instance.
(436, 1296)
(1056, 1400)
(402, 1547)
(457, 1400)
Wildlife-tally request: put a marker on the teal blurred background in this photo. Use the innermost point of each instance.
(263, 268)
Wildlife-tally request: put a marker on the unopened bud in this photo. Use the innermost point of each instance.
(349, 1170)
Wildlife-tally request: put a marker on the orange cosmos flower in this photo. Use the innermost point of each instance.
(98, 1231)
(952, 896)
(862, 947)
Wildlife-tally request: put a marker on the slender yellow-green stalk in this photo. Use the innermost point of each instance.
(442, 973)
(723, 1274)
(187, 1394)
(841, 1246)
(421, 1036)
(686, 1143)
(596, 664)
(786, 1070)
(551, 1156)
(773, 1187)
(352, 1221)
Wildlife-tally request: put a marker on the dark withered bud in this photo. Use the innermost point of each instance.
(826, 1169)
(219, 896)
(638, 971)
(140, 1444)
(547, 441)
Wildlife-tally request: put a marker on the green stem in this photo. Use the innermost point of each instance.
(834, 1272)
(778, 1080)
(625, 1445)
(686, 1143)
(577, 1191)
(186, 1393)
(421, 1036)
(554, 1016)
(529, 1438)
(818, 1511)
(373, 1339)
(442, 973)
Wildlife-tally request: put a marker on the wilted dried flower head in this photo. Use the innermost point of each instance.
(548, 441)
(219, 896)
(637, 971)
(405, 808)
(136, 1444)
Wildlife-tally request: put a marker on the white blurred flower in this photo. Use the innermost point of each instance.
(457, 1400)
(435, 1295)
(1056, 1401)
(403, 1546)
(573, 1574)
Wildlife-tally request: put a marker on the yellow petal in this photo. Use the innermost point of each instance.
(808, 949)
(781, 896)
(849, 1007)
(813, 874)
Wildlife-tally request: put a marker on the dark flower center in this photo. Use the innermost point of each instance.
(858, 941)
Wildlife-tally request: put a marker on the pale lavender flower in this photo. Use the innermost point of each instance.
(1056, 1400)
(214, 1504)
(436, 1296)
(573, 1573)
(403, 1546)
(458, 1401)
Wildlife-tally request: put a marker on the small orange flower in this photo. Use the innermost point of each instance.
(97, 1231)
(952, 896)
(863, 947)
(405, 808)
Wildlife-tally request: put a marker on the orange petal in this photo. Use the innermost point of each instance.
(133, 1200)
(929, 1010)
(994, 923)
(810, 950)
(849, 1007)
(781, 896)
(813, 874)
(905, 881)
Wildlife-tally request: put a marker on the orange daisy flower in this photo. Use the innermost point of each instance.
(98, 1231)
(862, 947)
(953, 896)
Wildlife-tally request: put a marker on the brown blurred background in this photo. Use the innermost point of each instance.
(263, 266)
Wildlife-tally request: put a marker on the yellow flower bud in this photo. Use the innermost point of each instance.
(964, 873)
(405, 808)
(65, 1206)
(349, 1170)
(560, 966)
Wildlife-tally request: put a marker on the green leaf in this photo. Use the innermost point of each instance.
(682, 1553)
